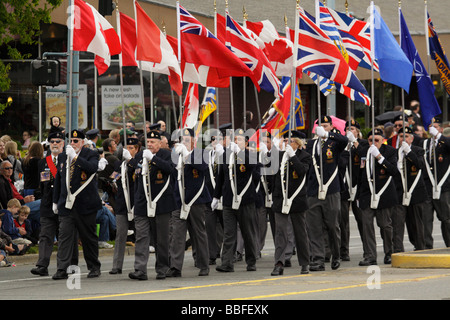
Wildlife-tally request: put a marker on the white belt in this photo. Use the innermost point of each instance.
(124, 175)
(70, 200)
(287, 202)
(322, 193)
(237, 198)
(213, 180)
(151, 204)
(436, 188)
(375, 197)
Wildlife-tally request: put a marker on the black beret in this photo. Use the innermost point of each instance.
(378, 132)
(155, 126)
(295, 134)
(154, 135)
(352, 123)
(399, 118)
(77, 134)
(92, 133)
(437, 120)
(266, 133)
(188, 132)
(55, 135)
(132, 141)
(326, 119)
(407, 130)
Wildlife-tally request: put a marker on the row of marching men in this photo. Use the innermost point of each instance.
(302, 185)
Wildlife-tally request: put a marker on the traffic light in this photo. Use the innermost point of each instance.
(45, 72)
(106, 7)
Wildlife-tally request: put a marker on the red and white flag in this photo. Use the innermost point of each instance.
(279, 50)
(93, 33)
(191, 107)
(152, 46)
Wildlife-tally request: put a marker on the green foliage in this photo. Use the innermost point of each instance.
(20, 23)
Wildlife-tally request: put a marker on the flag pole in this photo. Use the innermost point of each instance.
(427, 41)
(244, 85)
(372, 49)
(405, 192)
(121, 75)
(349, 117)
(180, 99)
(217, 90)
(319, 107)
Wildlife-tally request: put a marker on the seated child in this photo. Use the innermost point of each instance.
(9, 227)
(21, 221)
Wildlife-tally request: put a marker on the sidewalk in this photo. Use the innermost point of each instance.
(434, 258)
(32, 258)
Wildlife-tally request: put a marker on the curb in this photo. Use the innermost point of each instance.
(32, 258)
(434, 258)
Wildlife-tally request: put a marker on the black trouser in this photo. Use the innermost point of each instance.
(86, 227)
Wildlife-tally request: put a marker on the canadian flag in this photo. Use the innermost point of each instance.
(191, 107)
(93, 33)
(152, 46)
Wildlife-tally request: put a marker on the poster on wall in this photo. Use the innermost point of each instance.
(112, 116)
(55, 105)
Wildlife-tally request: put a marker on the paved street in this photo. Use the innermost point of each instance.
(349, 282)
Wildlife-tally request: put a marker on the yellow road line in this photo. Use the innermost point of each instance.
(188, 288)
(340, 288)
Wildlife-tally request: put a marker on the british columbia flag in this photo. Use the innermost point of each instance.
(318, 54)
(246, 45)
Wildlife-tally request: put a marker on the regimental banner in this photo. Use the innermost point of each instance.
(112, 116)
(55, 105)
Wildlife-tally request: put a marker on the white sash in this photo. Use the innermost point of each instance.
(237, 198)
(375, 197)
(287, 203)
(151, 204)
(352, 190)
(322, 193)
(213, 180)
(124, 175)
(70, 200)
(268, 196)
(436, 188)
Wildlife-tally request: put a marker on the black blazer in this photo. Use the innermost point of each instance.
(46, 188)
(331, 151)
(161, 168)
(442, 153)
(383, 171)
(298, 168)
(88, 200)
(120, 206)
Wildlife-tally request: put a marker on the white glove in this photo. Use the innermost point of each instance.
(126, 155)
(219, 150)
(55, 208)
(102, 164)
(234, 147)
(406, 148)
(214, 204)
(321, 132)
(289, 151)
(147, 154)
(181, 149)
(374, 151)
(351, 137)
(70, 151)
(433, 131)
(263, 148)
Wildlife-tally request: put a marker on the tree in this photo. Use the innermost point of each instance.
(20, 22)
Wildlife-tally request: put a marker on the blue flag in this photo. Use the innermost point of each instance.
(394, 66)
(428, 104)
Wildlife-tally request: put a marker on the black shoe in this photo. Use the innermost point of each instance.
(94, 273)
(287, 263)
(317, 267)
(60, 275)
(173, 273)
(387, 259)
(345, 258)
(335, 264)
(305, 269)
(238, 257)
(40, 271)
(212, 262)
(160, 276)
(116, 271)
(203, 272)
(366, 263)
(137, 275)
(251, 268)
(225, 269)
(278, 270)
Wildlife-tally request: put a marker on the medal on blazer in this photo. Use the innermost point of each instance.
(329, 154)
(294, 174)
(242, 168)
(195, 173)
(159, 175)
(83, 175)
(441, 158)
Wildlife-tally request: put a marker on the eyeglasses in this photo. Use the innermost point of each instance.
(8, 168)
(74, 140)
(398, 125)
(55, 141)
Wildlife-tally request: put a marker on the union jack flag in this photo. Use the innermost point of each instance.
(246, 45)
(198, 46)
(318, 54)
(188, 24)
(358, 29)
